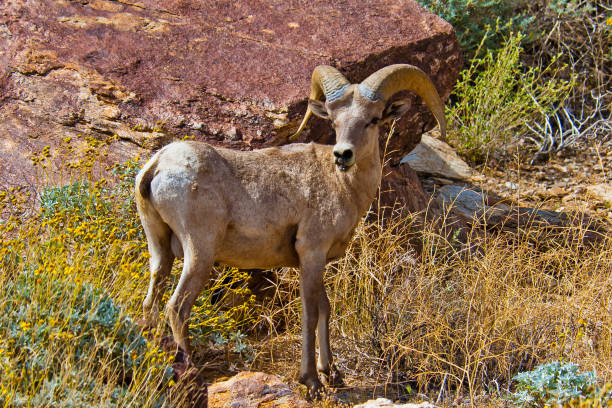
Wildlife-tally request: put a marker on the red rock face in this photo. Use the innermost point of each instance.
(231, 73)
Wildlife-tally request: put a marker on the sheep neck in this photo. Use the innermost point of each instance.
(364, 181)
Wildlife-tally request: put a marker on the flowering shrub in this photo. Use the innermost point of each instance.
(74, 272)
(62, 340)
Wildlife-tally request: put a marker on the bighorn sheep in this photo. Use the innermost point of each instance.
(295, 205)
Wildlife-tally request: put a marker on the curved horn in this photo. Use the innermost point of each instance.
(326, 81)
(387, 81)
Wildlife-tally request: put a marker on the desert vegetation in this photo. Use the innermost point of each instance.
(479, 316)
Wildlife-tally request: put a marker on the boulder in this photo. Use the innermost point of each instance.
(434, 157)
(234, 74)
(477, 208)
(472, 205)
(252, 390)
(401, 189)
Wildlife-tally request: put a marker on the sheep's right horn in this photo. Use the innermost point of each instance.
(382, 84)
(326, 81)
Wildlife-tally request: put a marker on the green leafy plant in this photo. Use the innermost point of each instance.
(571, 8)
(473, 19)
(74, 197)
(557, 384)
(497, 97)
(53, 332)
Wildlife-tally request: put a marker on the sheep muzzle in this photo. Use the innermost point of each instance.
(344, 156)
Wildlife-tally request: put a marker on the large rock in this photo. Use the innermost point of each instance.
(252, 390)
(401, 189)
(477, 208)
(232, 73)
(436, 158)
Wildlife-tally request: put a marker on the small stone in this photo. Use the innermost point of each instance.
(600, 192)
(233, 134)
(252, 390)
(443, 181)
(569, 197)
(529, 192)
(478, 178)
(511, 185)
(387, 403)
(552, 192)
(561, 169)
(111, 112)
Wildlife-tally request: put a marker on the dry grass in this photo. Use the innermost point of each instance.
(461, 318)
(457, 319)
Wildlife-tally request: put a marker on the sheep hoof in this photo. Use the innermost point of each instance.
(146, 324)
(184, 367)
(314, 386)
(334, 378)
(149, 319)
(183, 357)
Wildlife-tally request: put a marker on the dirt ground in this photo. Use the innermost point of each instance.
(559, 184)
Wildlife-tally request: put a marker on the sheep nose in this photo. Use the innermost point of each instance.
(344, 156)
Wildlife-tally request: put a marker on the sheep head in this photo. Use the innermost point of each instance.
(357, 110)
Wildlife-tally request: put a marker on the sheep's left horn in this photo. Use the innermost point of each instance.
(326, 81)
(389, 80)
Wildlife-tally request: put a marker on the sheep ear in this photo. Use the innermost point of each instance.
(395, 110)
(318, 108)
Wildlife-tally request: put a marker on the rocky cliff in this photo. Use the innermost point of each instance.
(232, 73)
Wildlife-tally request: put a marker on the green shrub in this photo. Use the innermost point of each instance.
(557, 384)
(497, 97)
(71, 197)
(473, 19)
(61, 342)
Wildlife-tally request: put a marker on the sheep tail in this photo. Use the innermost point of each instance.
(144, 179)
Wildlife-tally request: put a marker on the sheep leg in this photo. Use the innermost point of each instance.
(325, 355)
(325, 365)
(160, 267)
(160, 264)
(311, 287)
(195, 274)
